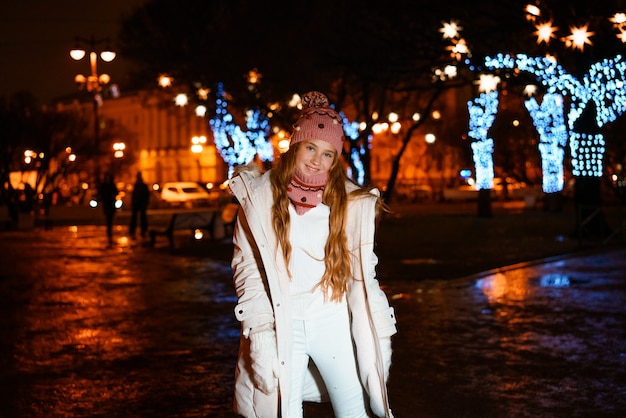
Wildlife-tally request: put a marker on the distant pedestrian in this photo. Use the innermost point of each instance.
(505, 187)
(13, 203)
(315, 325)
(28, 200)
(107, 192)
(139, 206)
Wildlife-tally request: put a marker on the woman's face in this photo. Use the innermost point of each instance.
(315, 157)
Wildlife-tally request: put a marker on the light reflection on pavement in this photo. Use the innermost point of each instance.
(120, 331)
(547, 339)
(133, 331)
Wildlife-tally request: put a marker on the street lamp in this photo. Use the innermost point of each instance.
(94, 82)
(118, 149)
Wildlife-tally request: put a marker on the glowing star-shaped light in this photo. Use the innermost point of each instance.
(450, 71)
(488, 83)
(618, 19)
(622, 36)
(530, 90)
(545, 32)
(450, 29)
(458, 49)
(165, 80)
(201, 111)
(461, 47)
(579, 37)
(181, 100)
(203, 93)
(533, 11)
(254, 76)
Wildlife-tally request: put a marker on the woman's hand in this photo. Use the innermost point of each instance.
(264, 360)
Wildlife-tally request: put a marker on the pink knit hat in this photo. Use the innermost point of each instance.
(318, 121)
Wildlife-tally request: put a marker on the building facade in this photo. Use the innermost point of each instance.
(156, 138)
(160, 137)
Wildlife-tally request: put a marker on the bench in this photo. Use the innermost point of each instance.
(207, 220)
(204, 220)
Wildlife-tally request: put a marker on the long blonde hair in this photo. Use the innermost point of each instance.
(336, 252)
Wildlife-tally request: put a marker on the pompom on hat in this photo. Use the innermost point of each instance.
(318, 121)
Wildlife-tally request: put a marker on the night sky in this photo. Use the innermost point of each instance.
(37, 35)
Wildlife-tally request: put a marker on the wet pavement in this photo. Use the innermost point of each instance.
(537, 340)
(90, 330)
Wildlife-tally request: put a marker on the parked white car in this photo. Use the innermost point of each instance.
(464, 192)
(186, 194)
(516, 190)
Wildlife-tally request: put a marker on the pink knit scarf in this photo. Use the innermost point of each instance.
(305, 192)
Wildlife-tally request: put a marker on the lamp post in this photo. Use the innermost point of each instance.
(93, 82)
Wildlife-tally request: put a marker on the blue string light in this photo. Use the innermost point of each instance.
(234, 145)
(603, 84)
(351, 129)
(258, 128)
(549, 121)
(482, 111)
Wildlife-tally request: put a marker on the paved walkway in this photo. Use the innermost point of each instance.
(133, 331)
(546, 339)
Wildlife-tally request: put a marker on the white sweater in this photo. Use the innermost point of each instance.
(308, 234)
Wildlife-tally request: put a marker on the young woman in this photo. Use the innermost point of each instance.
(315, 325)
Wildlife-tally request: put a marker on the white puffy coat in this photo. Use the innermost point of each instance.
(263, 299)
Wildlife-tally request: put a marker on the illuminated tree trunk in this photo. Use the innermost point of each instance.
(549, 121)
(590, 218)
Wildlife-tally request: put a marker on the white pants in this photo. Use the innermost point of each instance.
(327, 342)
